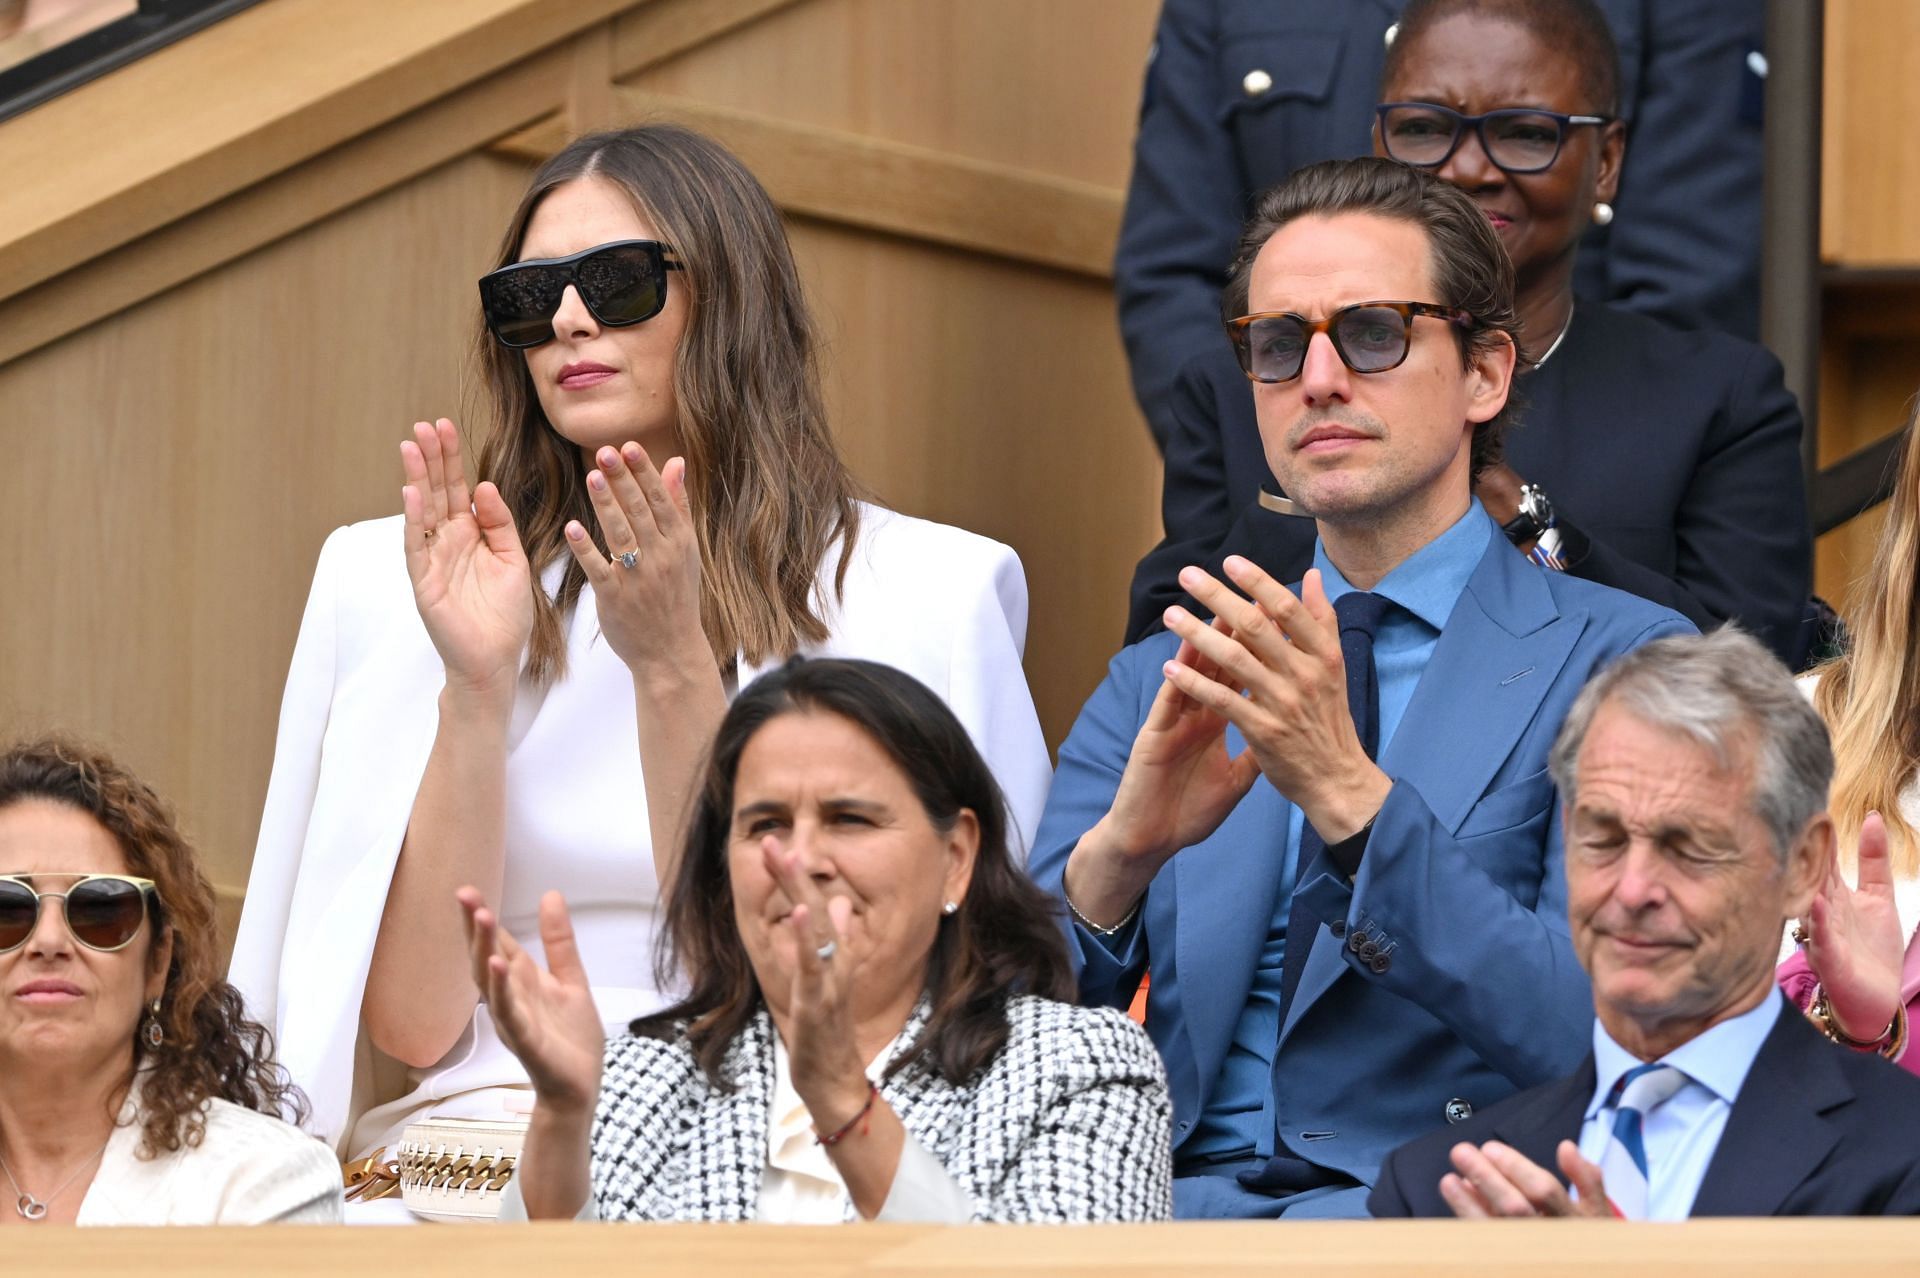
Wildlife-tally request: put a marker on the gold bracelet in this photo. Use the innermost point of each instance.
(1890, 1044)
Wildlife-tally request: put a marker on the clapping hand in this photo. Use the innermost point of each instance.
(546, 1018)
(1497, 1180)
(1282, 681)
(647, 585)
(823, 1060)
(470, 576)
(1855, 943)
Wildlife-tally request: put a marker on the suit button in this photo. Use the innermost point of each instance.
(1368, 951)
(1380, 963)
(1256, 83)
(1338, 927)
(1355, 941)
(1458, 1111)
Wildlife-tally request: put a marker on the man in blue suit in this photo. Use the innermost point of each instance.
(1324, 821)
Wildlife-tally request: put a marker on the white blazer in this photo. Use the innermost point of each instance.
(248, 1169)
(360, 712)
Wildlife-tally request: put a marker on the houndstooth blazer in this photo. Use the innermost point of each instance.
(1070, 1122)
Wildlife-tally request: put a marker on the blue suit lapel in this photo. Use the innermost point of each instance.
(1499, 654)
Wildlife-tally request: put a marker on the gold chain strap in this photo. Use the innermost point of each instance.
(454, 1170)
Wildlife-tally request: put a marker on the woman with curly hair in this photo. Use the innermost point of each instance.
(133, 1088)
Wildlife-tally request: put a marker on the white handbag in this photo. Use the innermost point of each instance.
(454, 1169)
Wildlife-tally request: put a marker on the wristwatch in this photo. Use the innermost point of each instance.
(1534, 524)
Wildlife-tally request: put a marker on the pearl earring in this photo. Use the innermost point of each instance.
(1602, 213)
(951, 907)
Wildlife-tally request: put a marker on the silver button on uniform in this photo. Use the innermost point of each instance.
(1256, 83)
(1458, 1111)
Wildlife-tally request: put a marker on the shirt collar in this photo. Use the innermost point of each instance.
(1717, 1060)
(1428, 582)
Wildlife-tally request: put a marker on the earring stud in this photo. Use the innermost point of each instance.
(1602, 213)
(951, 907)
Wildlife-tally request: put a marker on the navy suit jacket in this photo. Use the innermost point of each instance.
(1817, 1130)
(1684, 243)
(1672, 460)
(1471, 991)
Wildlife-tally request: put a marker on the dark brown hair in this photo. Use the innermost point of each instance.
(1470, 269)
(1575, 27)
(1006, 936)
(210, 1050)
(768, 491)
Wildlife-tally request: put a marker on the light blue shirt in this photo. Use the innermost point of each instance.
(1239, 1118)
(1681, 1135)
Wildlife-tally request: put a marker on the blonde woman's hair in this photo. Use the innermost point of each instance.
(1870, 697)
(768, 491)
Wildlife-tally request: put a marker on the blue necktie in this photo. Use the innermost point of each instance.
(1623, 1163)
(1359, 614)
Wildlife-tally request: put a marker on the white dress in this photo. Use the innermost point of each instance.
(357, 724)
(249, 1169)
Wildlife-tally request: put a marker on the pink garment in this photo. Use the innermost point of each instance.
(1796, 979)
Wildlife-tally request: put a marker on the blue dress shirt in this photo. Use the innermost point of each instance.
(1239, 1120)
(1681, 1135)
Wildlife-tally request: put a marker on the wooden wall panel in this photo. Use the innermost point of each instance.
(172, 472)
(1871, 180)
(1050, 87)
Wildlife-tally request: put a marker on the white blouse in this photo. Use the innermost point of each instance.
(249, 1169)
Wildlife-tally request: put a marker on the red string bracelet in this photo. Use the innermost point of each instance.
(866, 1111)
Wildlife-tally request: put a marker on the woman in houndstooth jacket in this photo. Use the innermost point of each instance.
(877, 1024)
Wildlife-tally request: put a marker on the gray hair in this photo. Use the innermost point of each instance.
(1723, 690)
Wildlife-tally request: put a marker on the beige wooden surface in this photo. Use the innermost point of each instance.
(219, 315)
(1871, 179)
(1404, 1249)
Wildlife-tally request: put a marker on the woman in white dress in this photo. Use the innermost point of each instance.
(513, 686)
(134, 1090)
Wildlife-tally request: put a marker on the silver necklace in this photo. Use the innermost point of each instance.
(31, 1208)
(1556, 341)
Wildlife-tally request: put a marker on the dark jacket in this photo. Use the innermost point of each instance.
(1672, 460)
(1817, 1130)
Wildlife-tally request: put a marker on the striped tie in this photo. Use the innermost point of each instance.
(1624, 1161)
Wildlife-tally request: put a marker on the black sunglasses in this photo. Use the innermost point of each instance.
(103, 911)
(1369, 337)
(1516, 139)
(622, 283)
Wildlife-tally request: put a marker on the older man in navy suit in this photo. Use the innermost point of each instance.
(1694, 777)
(1324, 820)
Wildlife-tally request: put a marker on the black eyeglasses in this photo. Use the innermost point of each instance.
(1517, 139)
(103, 911)
(622, 283)
(1369, 337)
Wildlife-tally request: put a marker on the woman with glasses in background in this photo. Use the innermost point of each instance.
(133, 1088)
(512, 686)
(1661, 462)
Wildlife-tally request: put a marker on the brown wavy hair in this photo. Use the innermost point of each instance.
(1870, 696)
(211, 1050)
(1005, 938)
(768, 491)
